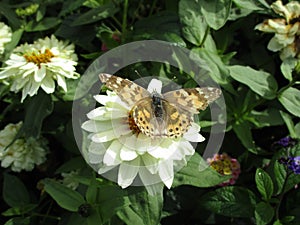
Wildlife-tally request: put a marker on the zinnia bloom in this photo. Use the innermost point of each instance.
(5, 36)
(117, 143)
(21, 154)
(225, 165)
(287, 29)
(40, 65)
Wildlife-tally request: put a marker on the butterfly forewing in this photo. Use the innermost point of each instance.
(128, 91)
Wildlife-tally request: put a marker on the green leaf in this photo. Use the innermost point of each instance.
(287, 67)
(110, 199)
(16, 36)
(44, 24)
(264, 213)
(290, 99)
(289, 123)
(94, 15)
(279, 177)
(216, 12)
(266, 118)
(248, 4)
(20, 210)
(144, 209)
(18, 221)
(197, 173)
(260, 82)
(15, 193)
(243, 132)
(193, 23)
(264, 184)
(230, 201)
(10, 15)
(37, 109)
(219, 72)
(65, 197)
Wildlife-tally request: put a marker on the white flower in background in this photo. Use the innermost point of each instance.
(69, 180)
(22, 154)
(40, 65)
(116, 143)
(5, 36)
(287, 29)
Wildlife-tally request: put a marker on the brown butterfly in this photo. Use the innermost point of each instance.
(161, 115)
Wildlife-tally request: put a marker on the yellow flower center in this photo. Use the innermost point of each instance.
(222, 166)
(39, 58)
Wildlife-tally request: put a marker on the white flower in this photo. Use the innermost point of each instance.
(116, 144)
(287, 30)
(40, 64)
(5, 36)
(20, 154)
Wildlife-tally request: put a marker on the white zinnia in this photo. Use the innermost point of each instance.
(287, 29)
(21, 154)
(5, 36)
(40, 64)
(114, 145)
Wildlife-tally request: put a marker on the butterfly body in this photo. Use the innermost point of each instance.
(161, 115)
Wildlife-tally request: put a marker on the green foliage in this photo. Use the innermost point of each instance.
(260, 91)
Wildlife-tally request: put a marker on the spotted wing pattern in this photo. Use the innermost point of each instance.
(128, 91)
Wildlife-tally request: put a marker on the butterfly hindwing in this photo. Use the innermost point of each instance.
(128, 91)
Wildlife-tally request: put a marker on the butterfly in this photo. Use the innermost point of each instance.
(161, 115)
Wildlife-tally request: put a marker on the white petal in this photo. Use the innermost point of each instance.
(96, 126)
(150, 163)
(48, 85)
(155, 86)
(143, 144)
(111, 156)
(147, 178)
(166, 172)
(40, 73)
(164, 151)
(127, 173)
(61, 81)
(96, 152)
(104, 136)
(104, 169)
(128, 152)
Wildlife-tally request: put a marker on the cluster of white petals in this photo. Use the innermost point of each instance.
(5, 36)
(287, 29)
(40, 65)
(21, 154)
(135, 156)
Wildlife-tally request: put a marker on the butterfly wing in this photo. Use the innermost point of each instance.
(128, 91)
(192, 100)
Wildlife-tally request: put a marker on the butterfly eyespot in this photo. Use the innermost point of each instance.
(170, 130)
(177, 129)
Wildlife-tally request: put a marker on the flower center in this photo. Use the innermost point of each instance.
(39, 58)
(132, 124)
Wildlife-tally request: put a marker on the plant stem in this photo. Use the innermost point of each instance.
(205, 36)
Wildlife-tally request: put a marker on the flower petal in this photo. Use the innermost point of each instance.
(128, 172)
(111, 156)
